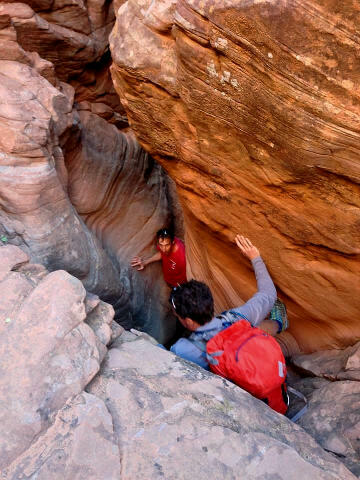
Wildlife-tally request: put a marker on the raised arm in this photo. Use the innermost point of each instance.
(259, 305)
(141, 264)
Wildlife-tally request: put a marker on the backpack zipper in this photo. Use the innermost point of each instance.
(245, 342)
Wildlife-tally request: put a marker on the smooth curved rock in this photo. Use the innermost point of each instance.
(43, 123)
(124, 197)
(36, 212)
(253, 109)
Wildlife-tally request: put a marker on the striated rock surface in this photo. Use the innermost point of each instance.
(253, 109)
(66, 34)
(75, 192)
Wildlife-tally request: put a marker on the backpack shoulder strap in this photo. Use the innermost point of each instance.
(200, 339)
(301, 412)
(231, 316)
(200, 343)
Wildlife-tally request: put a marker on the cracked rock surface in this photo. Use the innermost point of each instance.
(174, 420)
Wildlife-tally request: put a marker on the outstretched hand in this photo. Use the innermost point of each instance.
(246, 247)
(137, 262)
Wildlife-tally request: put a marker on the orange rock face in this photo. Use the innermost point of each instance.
(253, 108)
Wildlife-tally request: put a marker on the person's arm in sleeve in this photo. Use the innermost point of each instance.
(141, 264)
(256, 309)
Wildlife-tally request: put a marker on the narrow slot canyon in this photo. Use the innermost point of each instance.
(119, 118)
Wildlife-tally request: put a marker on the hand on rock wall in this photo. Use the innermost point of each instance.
(47, 142)
(246, 247)
(259, 130)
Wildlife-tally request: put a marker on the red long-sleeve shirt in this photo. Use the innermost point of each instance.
(174, 264)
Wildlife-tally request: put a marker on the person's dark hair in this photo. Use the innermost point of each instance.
(165, 233)
(193, 300)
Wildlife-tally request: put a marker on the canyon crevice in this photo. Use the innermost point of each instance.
(258, 125)
(249, 110)
(73, 177)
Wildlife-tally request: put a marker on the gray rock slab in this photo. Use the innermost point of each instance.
(48, 354)
(332, 364)
(333, 418)
(176, 421)
(80, 444)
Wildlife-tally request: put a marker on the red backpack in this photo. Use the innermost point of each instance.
(253, 360)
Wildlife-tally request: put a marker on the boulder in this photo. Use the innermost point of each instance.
(175, 420)
(253, 109)
(333, 417)
(331, 364)
(48, 353)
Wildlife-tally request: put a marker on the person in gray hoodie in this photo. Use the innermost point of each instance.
(193, 304)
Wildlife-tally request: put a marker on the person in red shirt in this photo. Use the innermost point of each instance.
(171, 252)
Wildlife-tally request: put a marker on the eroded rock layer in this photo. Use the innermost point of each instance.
(75, 192)
(253, 109)
(124, 197)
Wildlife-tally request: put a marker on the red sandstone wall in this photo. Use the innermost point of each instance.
(253, 109)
